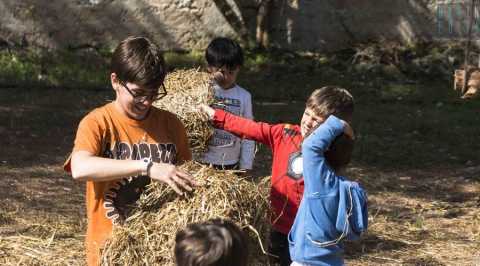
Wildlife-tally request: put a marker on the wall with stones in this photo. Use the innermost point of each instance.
(175, 24)
(330, 24)
(186, 24)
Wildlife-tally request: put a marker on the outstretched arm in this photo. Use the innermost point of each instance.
(86, 164)
(247, 149)
(87, 167)
(242, 127)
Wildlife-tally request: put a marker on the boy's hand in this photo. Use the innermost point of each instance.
(172, 176)
(207, 110)
(218, 77)
(348, 130)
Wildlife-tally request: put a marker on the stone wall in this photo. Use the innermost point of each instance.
(187, 24)
(330, 24)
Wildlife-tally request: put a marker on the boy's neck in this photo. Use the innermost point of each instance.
(125, 114)
(228, 88)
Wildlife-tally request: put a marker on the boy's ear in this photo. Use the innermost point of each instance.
(114, 81)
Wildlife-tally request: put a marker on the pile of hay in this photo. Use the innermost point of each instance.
(148, 236)
(187, 89)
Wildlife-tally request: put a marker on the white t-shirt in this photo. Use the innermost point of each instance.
(225, 148)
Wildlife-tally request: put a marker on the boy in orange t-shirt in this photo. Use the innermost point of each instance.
(122, 145)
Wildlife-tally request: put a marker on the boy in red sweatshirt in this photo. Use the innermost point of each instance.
(287, 166)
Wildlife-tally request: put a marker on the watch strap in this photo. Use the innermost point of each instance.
(147, 164)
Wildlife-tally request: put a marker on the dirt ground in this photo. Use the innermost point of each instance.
(427, 216)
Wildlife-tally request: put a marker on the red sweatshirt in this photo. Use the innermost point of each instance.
(287, 176)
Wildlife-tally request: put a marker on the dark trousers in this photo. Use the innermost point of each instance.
(225, 167)
(279, 247)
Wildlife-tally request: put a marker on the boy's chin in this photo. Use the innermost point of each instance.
(304, 132)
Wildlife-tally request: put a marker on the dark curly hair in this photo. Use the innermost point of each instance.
(216, 242)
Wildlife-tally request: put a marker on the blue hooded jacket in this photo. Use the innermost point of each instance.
(332, 208)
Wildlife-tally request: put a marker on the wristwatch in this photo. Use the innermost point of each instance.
(147, 164)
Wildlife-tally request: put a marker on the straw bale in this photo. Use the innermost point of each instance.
(187, 89)
(147, 237)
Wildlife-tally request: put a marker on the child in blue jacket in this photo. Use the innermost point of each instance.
(332, 208)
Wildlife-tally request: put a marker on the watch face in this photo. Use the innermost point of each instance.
(295, 166)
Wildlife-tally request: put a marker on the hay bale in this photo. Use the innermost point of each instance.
(147, 237)
(473, 84)
(187, 89)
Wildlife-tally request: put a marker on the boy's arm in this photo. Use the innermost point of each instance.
(242, 127)
(87, 167)
(321, 137)
(316, 173)
(85, 163)
(247, 149)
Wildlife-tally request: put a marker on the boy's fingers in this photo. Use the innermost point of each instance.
(174, 186)
(218, 76)
(187, 178)
(349, 132)
(203, 108)
(182, 183)
(206, 109)
(183, 174)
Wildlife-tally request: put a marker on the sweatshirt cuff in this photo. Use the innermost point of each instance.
(335, 124)
(219, 117)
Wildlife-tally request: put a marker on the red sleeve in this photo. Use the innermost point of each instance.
(246, 128)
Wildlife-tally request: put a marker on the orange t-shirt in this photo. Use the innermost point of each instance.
(107, 133)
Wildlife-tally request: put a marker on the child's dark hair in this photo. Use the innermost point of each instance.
(336, 101)
(330, 100)
(140, 61)
(224, 52)
(215, 242)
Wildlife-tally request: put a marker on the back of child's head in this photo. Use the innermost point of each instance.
(138, 60)
(215, 242)
(330, 100)
(224, 52)
(336, 101)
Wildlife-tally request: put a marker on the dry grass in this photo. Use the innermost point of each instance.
(428, 216)
(420, 218)
(148, 235)
(28, 250)
(41, 217)
(187, 89)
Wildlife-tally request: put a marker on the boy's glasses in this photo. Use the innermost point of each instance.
(142, 97)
